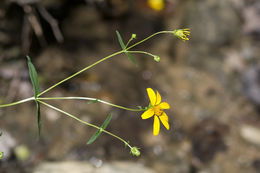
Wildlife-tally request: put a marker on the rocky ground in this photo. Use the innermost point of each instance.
(212, 83)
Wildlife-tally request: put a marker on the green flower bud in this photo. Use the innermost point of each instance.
(135, 151)
(156, 58)
(133, 36)
(1, 155)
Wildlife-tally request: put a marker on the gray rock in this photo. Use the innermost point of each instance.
(251, 84)
(7, 143)
(87, 167)
(251, 134)
(212, 21)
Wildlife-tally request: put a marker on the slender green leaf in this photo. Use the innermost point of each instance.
(97, 134)
(93, 101)
(120, 40)
(33, 77)
(130, 57)
(39, 118)
(36, 88)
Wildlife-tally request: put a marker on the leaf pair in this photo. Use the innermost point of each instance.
(130, 57)
(36, 88)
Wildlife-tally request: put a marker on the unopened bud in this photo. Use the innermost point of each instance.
(135, 151)
(156, 58)
(133, 36)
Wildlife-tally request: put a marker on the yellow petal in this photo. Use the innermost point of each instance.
(164, 105)
(151, 95)
(156, 126)
(147, 114)
(158, 98)
(164, 120)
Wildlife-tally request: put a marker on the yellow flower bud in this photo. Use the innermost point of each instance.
(182, 33)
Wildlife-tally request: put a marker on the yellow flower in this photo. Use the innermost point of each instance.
(182, 33)
(156, 109)
(156, 5)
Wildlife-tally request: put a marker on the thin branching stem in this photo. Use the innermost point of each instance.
(17, 102)
(84, 122)
(90, 99)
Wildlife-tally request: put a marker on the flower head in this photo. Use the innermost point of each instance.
(182, 33)
(156, 109)
(156, 5)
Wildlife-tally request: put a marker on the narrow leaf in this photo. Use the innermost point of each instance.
(97, 134)
(120, 40)
(130, 57)
(36, 88)
(93, 101)
(39, 118)
(33, 77)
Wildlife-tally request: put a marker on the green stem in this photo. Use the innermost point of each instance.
(147, 53)
(77, 73)
(128, 42)
(103, 59)
(18, 102)
(147, 38)
(88, 98)
(84, 122)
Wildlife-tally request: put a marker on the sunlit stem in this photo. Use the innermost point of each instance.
(84, 122)
(18, 102)
(90, 99)
(77, 73)
(128, 42)
(142, 52)
(147, 38)
(103, 59)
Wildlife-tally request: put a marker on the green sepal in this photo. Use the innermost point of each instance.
(130, 57)
(36, 88)
(93, 101)
(97, 134)
(139, 107)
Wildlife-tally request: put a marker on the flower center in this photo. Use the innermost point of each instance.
(158, 111)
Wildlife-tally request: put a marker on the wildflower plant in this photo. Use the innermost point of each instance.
(155, 108)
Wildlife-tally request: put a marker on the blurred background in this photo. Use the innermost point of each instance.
(212, 83)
